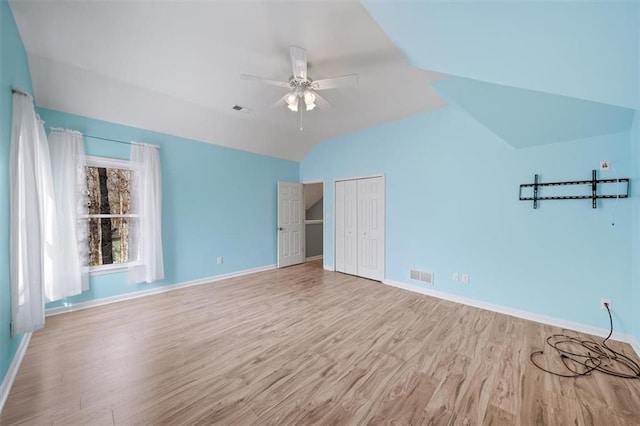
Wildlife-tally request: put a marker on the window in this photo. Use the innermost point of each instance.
(109, 212)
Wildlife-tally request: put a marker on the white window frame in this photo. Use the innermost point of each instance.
(109, 163)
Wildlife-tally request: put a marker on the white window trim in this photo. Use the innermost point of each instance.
(110, 163)
(111, 269)
(108, 269)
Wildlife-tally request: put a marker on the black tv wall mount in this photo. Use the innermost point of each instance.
(594, 182)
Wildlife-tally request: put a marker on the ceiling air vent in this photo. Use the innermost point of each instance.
(242, 109)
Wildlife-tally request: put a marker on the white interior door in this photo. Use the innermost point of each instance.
(370, 226)
(290, 224)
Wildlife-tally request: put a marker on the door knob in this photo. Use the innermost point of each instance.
(281, 229)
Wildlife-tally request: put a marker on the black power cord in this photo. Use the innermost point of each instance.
(582, 357)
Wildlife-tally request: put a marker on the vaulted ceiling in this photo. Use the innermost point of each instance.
(533, 72)
(174, 67)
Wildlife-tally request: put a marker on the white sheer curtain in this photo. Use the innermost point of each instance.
(69, 182)
(146, 201)
(32, 212)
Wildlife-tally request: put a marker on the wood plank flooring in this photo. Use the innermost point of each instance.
(300, 346)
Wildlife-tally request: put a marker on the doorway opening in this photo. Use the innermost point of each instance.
(313, 220)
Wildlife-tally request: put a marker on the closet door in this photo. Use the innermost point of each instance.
(339, 224)
(370, 228)
(350, 227)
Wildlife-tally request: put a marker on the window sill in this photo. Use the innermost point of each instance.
(108, 269)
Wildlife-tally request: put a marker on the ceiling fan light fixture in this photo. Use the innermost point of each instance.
(293, 106)
(292, 98)
(309, 100)
(309, 97)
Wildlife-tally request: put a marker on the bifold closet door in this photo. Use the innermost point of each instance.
(359, 227)
(346, 248)
(339, 226)
(370, 228)
(350, 227)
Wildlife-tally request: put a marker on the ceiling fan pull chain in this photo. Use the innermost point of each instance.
(300, 110)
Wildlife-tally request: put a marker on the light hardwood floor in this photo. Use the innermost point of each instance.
(298, 346)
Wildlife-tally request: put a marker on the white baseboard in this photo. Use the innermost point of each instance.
(10, 377)
(312, 258)
(582, 328)
(329, 268)
(156, 290)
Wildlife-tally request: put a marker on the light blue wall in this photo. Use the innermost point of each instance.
(452, 206)
(635, 155)
(583, 49)
(14, 71)
(635, 152)
(216, 202)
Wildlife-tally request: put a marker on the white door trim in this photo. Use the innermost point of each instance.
(333, 221)
(381, 175)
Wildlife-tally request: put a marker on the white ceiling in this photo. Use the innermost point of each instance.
(174, 67)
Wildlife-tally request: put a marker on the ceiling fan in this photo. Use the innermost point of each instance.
(302, 92)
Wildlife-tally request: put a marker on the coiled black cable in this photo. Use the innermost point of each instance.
(582, 357)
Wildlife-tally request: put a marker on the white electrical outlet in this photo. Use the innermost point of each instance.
(455, 276)
(607, 301)
(220, 260)
(465, 278)
(605, 165)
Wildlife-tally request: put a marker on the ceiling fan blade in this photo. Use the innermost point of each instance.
(265, 80)
(281, 102)
(350, 80)
(299, 62)
(322, 103)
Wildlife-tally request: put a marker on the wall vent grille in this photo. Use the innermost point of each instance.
(426, 277)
